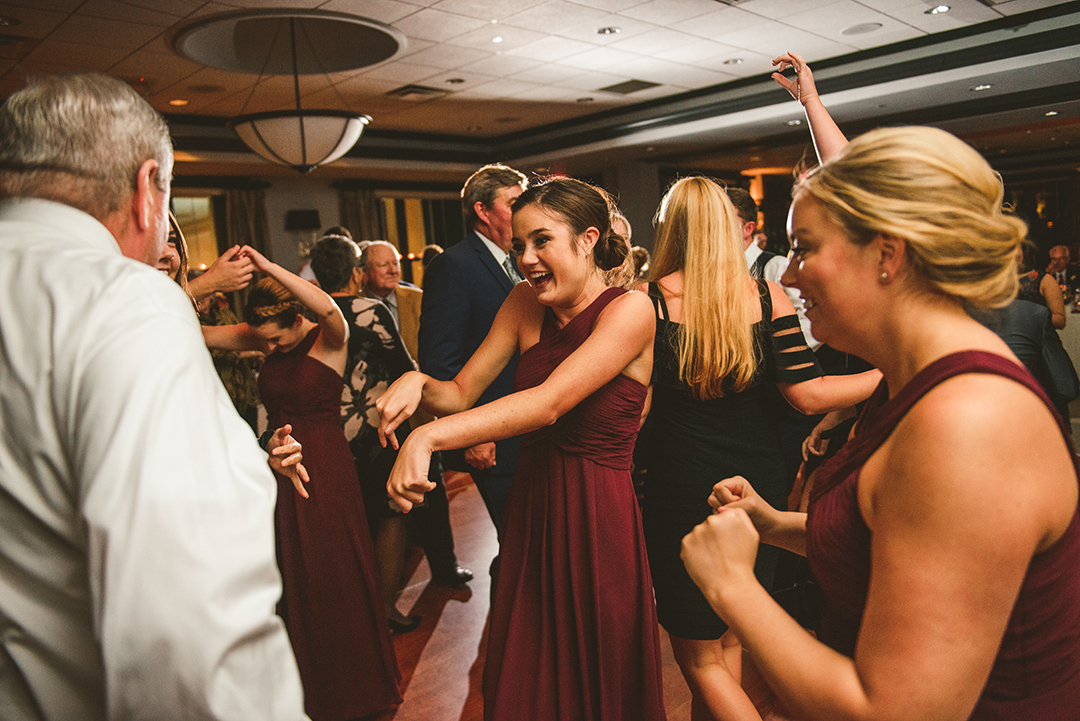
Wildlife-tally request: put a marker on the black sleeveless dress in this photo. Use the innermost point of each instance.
(695, 443)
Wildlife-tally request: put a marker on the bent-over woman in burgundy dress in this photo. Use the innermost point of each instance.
(331, 602)
(573, 631)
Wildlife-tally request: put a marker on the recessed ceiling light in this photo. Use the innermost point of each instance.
(610, 30)
(984, 86)
(494, 22)
(796, 121)
(733, 61)
(178, 102)
(861, 29)
(1051, 113)
(497, 39)
(937, 10)
(455, 81)
(8, 21)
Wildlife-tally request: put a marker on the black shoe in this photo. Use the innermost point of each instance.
(411, 623)
(455, 576)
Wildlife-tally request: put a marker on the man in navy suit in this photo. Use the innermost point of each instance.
(463, 291)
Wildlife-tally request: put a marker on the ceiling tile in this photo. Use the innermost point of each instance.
(830, 20)
(778, 9)
(555, 16)
(112, 34)
(786, 38)
(385, 11)
(37, 24)
(612, 6)
(654, 42)
(60, 6)
(501, 66)
(436, 25)
(598, 59)
(719, 22)
(447, 56)
(752, 64)
(75, 56)
(593, 81)
(486, 9)
(548, 93)
(471, 80)
(161, 70)
(162, 16)
(261, 4)
(961, 14)
(483, 38)
(882, 37)
(551, 48)
(628, 28)
(501, 87)
(697, 51)
(402, 72)
(666, 12)
(548, 74)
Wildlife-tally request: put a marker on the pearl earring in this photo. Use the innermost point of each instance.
(884, 275)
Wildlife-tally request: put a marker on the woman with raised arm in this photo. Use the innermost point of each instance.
(721, 339)
(331, 603)
(944, 533)
(573, 627)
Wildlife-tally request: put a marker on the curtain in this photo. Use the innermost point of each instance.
(246, 224)
(361, 213)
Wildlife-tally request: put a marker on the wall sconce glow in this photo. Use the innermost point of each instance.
(937, 10)
(178, 102)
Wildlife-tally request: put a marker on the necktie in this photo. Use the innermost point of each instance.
(511, 269)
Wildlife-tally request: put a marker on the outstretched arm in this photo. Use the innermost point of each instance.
(621, 342)
(826, 134)
(230, 272)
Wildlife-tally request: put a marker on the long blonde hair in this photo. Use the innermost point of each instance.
(698, 232)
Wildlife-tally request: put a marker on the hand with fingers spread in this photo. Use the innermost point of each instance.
(398, 404)
(409, 478)
(802, 86)
(286, 456)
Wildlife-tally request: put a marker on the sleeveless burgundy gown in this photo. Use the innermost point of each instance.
(1036, 675)
(331, 604)
(573, 631)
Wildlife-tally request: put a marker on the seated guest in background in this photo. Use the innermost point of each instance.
(1041, 287)
(944, 534)
(139, 575)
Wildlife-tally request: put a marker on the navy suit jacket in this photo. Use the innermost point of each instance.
(463, 290)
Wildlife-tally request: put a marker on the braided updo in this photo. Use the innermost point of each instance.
(270, 301)
(582, 206)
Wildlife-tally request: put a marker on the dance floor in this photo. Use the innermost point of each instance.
(442, 662)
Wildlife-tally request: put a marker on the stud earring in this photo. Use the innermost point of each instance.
(884, 275)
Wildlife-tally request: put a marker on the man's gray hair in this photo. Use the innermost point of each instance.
(80, 140)
(365, 251)
(483, 187)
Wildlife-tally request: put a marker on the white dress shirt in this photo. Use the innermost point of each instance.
(137, 568)
(773, 271)
(498, 254)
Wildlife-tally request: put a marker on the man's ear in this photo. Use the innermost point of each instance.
(145, 198)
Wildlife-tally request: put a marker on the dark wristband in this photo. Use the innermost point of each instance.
(264, 440)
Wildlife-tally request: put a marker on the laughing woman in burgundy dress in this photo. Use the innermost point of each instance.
(573, 630)
(331, 603)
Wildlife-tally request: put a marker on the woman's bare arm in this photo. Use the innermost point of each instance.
(972, 484)
(828, 139)
(1055, 301)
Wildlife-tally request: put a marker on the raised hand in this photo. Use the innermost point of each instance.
(802, 86)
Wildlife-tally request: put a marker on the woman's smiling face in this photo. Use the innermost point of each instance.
(832, 273)
(552, 259)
